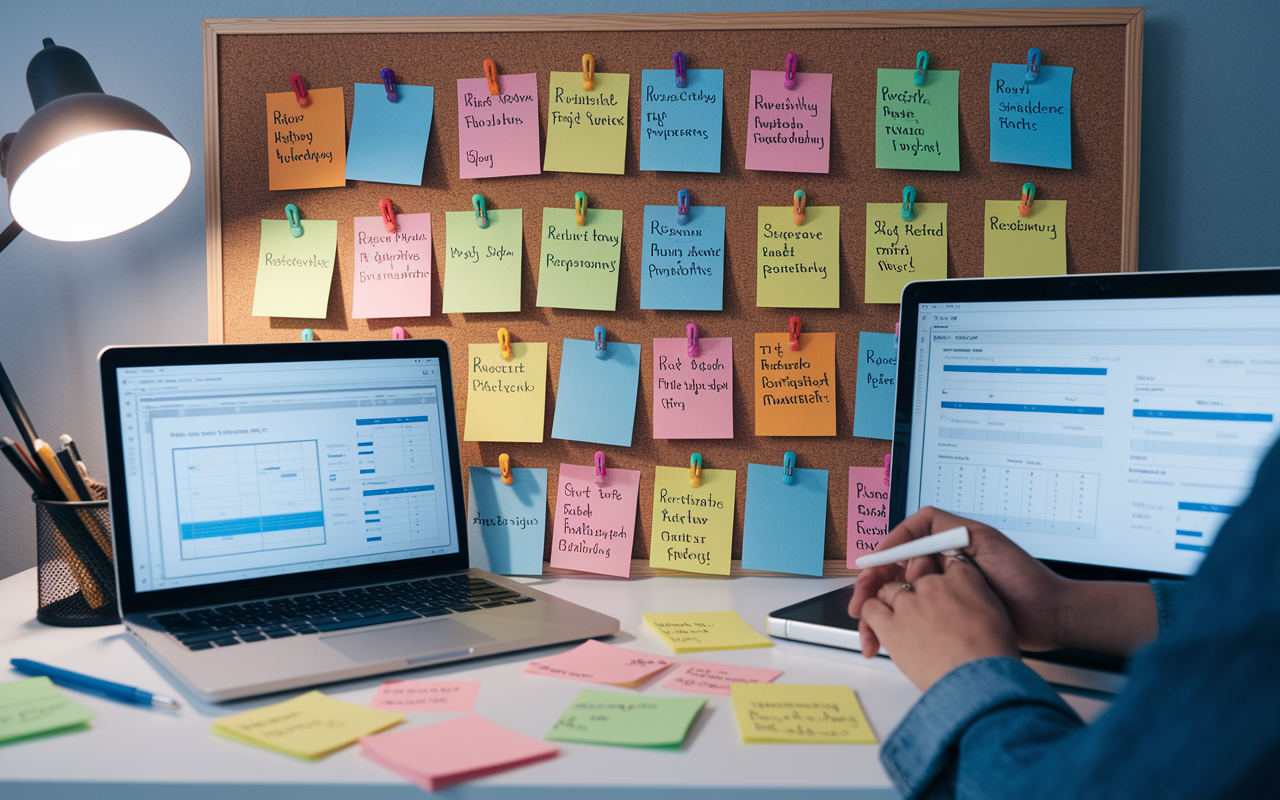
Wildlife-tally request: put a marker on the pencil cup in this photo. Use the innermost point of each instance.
(77, 584)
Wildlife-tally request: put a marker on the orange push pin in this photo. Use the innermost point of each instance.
(504, 465)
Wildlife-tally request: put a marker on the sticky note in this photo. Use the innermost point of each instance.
(579, 264)
(594, 661)
(482, 265)
(595, 520)
(789, 713)
(1031, 122)
(306, 147)
(901, 251)
(597, 717)
(389, 140)
(393, 270)
(693, 397)
(426, 695)
(308, 726)
(596, 397)
(706, 630)
(1032, 245)
(681, 128)
(918, 127)
(789, 130)
(498, 134)
(294, 275)
(795, 389)
(692, 528)
(683, 265)
(876, 392)
(441, 755)
(506, 525)
(587, 130)
(704, 677)
(868, 511)
(33, 706)
(506, 398)
(784, 526)
(798, 266)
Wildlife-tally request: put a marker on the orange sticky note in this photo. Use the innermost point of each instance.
(306, 147)
(795, 389)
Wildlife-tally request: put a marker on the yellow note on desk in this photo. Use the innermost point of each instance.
(1032, 245)
(706, 630)
(308, 726)
(787, 713)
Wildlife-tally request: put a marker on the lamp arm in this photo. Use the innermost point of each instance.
(9, 234)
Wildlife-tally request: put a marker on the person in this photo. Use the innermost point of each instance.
(1199, 718)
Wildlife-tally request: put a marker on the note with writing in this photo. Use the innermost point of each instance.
(900, 251)
(506, 397)
(795, 389)
(789, 130)
(308, 726)
(498, 134)
(692, 528)
(306, 147)
(392, 270)
(1031, 122)
(597, 717)
(594, 661)
(33, 706)
(918, 127)
(799, 714)
(426, 695)
(294, 274)
(506, 525)
(868, 511)
(389, 140)
(587, 130)
(579, 264)
(683, 264)
(877, 373)
(482, 265)
(596, 397)
(798, 266)
(595, 520)
(693, 395)
(784, 525)
(695, 632)
(705, 677)
(1032, 245)
(681, 127)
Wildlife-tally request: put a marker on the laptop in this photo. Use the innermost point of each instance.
(292, 514)
(1108, 424)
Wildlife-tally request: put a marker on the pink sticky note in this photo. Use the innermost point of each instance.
(595, 520)
(392, 270)
(789, 130)
(705, 677)
(426, 696)
(868, 511)
(693, 397)
(436, 756)
(498, 134)
(596, 662)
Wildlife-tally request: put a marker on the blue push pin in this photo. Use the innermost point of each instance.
(1033, 65)
(308, 334)
(908, 203)
(602, 346)
(788, 467)
(682, 207)
(922, 68)
(681, 75)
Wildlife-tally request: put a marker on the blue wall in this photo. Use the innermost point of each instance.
(1207, 171)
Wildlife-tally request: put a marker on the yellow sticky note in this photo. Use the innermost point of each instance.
(506, 398)
(899, 252)
(308, 726)
(706, 630)
(798, 266)
(787, 713)
(795, 389)
(692, 528)
(1032, 245)
(294, 274)
(306, 147)
(587, 130)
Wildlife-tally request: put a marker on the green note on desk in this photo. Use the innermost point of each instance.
(294, 274)
(34, 706)
(598, 717)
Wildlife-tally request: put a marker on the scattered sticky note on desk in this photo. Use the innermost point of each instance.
(1031, 122)
(798, 266)
(579, 264)
(784, 526)
(596, 397)
(308, 726)
(34, 705)
(705, 677)
(392, 270)
(1032, 245)
(877, 374)
(482, 265)
(506, 398)
(598, 717)
(682, 127)
(306, 147)
(389, 140)
(426, 695)
(918, 127)
(594, 661)
(506, 525)
(437, 756)
(795, 389)
(799, 714)
(706, 630)
(868, 511)
(587, 130)
(498, 134)
(595, 520)
(899, 251)
(692, 529)
(294, 275)
(693, 397)
(789, 130)
(683, 264)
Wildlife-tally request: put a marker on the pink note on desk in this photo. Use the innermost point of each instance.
(693, 397)
(595, 520)
(705, 677)
(426, 696)
(868, 511)
(596, 662)
(392, 270)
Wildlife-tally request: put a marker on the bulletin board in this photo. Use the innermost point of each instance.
(244, 59)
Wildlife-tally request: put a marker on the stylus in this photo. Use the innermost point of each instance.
(953, 539)
(116, 691)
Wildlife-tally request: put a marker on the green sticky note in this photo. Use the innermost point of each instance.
(294, 274)
(579, 264)
(1032, 245)
(598, 717)
(798, 266)
(587, 130)
(918, 127)
(482, 265)
(33, 706)
(899, 251)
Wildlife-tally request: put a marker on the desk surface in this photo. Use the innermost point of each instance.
(141, 753)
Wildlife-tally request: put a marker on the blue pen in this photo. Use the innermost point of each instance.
(75, 680)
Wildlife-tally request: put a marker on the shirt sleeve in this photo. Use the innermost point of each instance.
(1170, 597)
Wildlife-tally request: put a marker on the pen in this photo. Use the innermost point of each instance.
(20, 418)
(13, 451)
(115, 691)
(953, 539)
(64, 485)
(70, 444)
(72, 470)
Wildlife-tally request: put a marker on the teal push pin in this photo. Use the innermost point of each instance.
(294, 216)
(602, 343)
(1033, 65)
(482, 216)
(695, 471)
(922, 68)
(308, 334)
(788, 467)
(908, 203)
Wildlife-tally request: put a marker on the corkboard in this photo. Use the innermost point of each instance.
(245, 59)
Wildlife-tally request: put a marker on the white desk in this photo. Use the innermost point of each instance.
(140, 753)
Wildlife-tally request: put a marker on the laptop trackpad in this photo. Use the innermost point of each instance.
(403, 641)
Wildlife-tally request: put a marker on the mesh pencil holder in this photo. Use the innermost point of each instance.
(77, 584)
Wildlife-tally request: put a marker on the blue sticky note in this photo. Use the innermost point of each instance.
(389, 140)
(680, 128)
(596, 397)
(785, 525)
(877, 376)
(683, 266)
(506, 525)
(1031, 122)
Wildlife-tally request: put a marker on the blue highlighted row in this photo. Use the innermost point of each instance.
(364, 452)
(374, 539)
(1211, 508)
(1091, 410)
(364, 444)
(1196, 548)
(239, 527)
(1027, 370)
(1217, 415)
(366, 472)
(391, 420)
(402, 490)
(1189, 533)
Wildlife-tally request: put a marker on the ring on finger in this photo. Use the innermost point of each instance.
(906, 587)
(958, 555)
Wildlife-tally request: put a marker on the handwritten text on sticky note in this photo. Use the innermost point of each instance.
(877, 385)
(1032, 245)
(706, 630)
(918, 127)
(682, 126)
(792, 713)
(798, 266)
(392, 270)
(309, 725)
(306, 147)
(294, 274)
(683, 263)
(587, 129)
(1031, 122)
(594, 661)
(426, 696)
(693, 395)
(795, 389)
(868, 511)
(789, 130)
(595, 520)
(597, 717)
(498, 134)
(692, 529)
(482, 265)
(900, 251)
(579, 264)
(506, 524)
(705, 677)
(506, 397)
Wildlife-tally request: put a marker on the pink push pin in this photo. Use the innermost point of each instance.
(691, 338)
(600, 470)
(399, 333)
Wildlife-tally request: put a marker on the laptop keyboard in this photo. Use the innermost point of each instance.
(224, 626)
